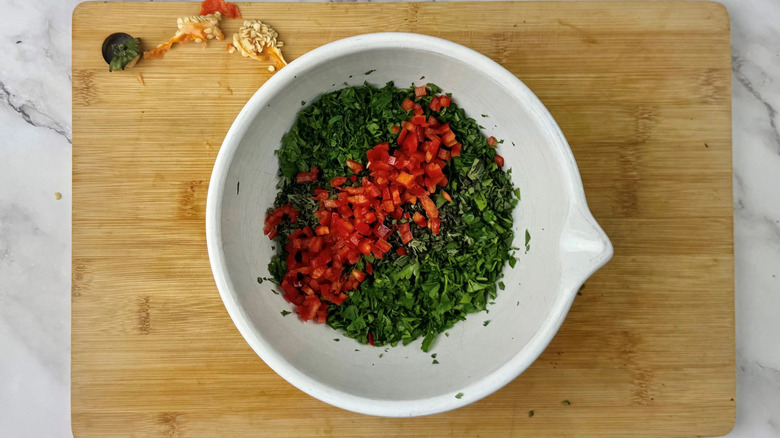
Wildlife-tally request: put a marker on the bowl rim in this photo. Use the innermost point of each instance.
(475, 390)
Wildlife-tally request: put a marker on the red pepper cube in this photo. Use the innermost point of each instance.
(449, 138)
(435, 225)
(435, 104)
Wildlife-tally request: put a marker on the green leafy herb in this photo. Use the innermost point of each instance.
(435, 362)
(370, 71)
(285, 312)
(336, 339)
(459, 395)
(566, 403)
(485, 324)
(530, 413)
(527, 241)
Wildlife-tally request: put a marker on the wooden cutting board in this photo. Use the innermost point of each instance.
(642, 92)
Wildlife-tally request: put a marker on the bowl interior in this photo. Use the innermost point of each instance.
(474, 359)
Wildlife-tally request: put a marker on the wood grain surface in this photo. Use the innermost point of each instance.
(642, 92)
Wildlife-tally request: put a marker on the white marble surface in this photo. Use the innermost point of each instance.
(35, 162)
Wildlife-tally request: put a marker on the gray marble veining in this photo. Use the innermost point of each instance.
(35, 162)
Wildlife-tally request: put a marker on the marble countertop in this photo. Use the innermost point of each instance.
(35, 230)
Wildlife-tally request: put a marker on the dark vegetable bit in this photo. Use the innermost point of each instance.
(459, 395)
(121, 50)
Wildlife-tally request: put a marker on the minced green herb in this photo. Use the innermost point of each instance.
(459, 395)
(285, 312)
(443, 277)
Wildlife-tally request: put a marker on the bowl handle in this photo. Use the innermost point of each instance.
(585, 246)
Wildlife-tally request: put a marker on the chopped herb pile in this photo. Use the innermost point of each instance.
(430, 276)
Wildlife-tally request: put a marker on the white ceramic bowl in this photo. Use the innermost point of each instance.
(567, 245)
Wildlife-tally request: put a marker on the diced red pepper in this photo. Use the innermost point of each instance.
(420, 220)
(370, 268)
(410, 144)
(365, 246)
(315, 244)
(406, 233)
(430, 207)
(337, 181)
(405, 179)
(445, 101)
(499, 160)
(407, 104)
(309, 176)
(449, 138)
(435, 225)
(446, 196)
(418, 120)
(417, 109)
(395, 129)
(435, 104)
(401, 136)
(433, 171)
(382, 230)
(383, 244)
(420, 91)
(370, 339)
(401, 251)
(363, 228)
(354, 166)
(396, 196)
(358, 275)
(492, 142)
(359, 200)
